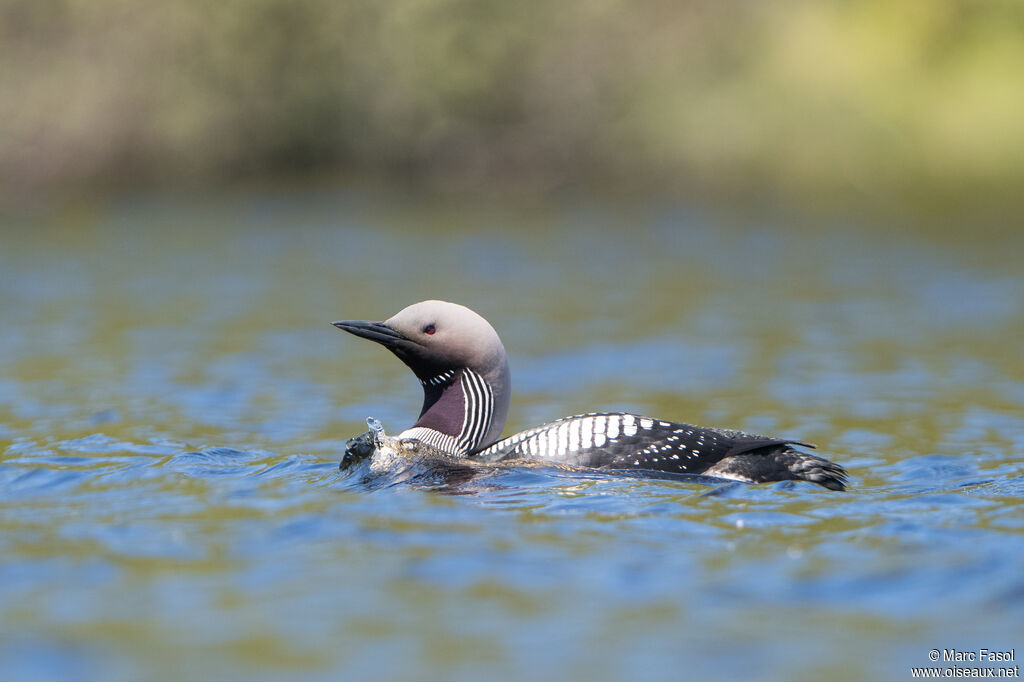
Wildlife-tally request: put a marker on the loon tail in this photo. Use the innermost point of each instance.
(780, 464)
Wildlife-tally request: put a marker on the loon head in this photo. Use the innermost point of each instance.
(459, 360)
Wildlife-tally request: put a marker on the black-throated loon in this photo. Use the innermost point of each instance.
(462, 365)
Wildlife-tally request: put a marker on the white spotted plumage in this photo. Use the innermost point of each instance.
(574, 434)
(562, 439)
(628, 425)
(612, 429)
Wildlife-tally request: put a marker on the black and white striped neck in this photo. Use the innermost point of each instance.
(442, 379)
(458, 412)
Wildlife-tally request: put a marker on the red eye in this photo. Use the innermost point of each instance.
(429, 329)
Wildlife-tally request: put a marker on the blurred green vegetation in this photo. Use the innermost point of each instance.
(919, 100)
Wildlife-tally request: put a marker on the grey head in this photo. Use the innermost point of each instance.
(461, 363)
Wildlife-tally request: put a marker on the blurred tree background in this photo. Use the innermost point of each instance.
(913, 101)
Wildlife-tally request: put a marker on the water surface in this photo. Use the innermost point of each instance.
(174, 402)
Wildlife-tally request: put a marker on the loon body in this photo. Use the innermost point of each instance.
(403, 454)
(463, 368)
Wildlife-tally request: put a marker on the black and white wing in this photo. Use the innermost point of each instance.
(624, 441)
(627, 441)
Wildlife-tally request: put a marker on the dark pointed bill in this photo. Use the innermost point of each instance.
(375, 331)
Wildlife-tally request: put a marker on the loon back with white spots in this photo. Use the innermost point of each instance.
(463, 369)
